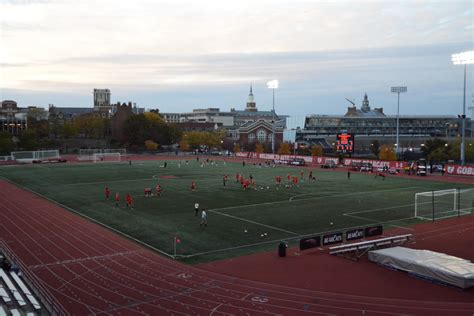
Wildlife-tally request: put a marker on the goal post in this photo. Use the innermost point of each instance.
(432, 205)
(87, 154)
(465, 203)
(106, 157)
(31, 156)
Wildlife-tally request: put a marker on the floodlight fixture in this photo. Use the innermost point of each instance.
(464, 58)
(273, 84)
(398, 90)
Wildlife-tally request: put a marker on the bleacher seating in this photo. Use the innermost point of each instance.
(3, 311)
(25, 290)
(16, 297)
(15, 312)
(356, 250)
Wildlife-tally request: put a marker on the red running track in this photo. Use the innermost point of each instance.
(88, 269)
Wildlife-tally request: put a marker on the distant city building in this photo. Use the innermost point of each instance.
(374, 124)
(12, 118)
(230, 120)
(121, 113)
(364, 110)
(209, 115)
(260, 131)
(66, 114)
(101, 99)
(197, 126)
(171, 117)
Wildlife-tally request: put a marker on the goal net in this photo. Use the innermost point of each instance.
(106, 157)
(30, 156)
(439, 204)
(88, 154)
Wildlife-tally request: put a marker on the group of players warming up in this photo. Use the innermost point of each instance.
(292, 181)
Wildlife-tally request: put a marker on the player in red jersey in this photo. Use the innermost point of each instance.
(158, 190)
(288, 178)
(295, 181)
(278, 180)
(107, 192)
(129, 200)
(117, 199)
(193, 186)
(237, 177)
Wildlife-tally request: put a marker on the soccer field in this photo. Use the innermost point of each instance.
(236, 218)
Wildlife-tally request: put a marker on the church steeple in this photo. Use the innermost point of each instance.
(251, 105)
(250, 98)
(365, 104)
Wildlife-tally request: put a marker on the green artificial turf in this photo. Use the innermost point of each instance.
(236, 218)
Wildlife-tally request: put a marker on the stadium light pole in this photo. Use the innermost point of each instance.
(464, 58)
(398, 90)
(273, 84)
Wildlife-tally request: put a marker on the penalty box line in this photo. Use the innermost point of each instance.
(372, 221)
(351, 214)
(253, 222)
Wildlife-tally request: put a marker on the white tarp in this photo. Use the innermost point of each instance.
(429, 264)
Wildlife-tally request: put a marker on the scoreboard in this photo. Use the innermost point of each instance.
(345, 143)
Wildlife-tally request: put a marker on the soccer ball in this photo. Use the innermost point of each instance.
(331, 223)
(245, 231)
(268, 188)
(261, 235)
(265, 234)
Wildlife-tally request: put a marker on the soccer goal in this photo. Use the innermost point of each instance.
(34, 156)
(106, 157)
(88, 153)
(121, 151)
(433, 205)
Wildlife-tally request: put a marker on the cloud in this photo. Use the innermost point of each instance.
(158, 51)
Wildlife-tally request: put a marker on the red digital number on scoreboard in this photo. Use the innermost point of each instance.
(345, 142)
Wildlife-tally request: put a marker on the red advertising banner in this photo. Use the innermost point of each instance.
(324, 160)
(460, 170)
(377, 163)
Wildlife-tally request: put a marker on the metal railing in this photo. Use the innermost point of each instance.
(36, 285)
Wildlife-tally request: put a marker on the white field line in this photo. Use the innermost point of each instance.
(376, 221)
(401, 227)
(253, 222)
(359, 217)
(274, 241)
(298, 195)
(107, 182)
(315, 198)
(383, 208)
(90, 218)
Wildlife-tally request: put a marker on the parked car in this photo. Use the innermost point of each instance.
(393, 171)
(297, 162)
(50, 160)
(329, 165)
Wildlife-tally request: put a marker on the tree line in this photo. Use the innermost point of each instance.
(148, 131)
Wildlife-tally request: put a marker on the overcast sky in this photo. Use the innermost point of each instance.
(178, 55)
